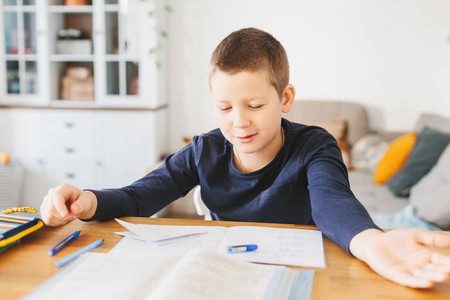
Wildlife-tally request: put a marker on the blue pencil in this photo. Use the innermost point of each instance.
(74, 255)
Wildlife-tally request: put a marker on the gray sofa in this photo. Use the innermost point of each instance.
(376, 198)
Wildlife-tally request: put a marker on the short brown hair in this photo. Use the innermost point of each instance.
(253, 50)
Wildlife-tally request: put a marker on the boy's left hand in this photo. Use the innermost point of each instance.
(402, 256)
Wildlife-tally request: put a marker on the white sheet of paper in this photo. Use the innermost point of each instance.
(163, 242)
(160, 233)
(285, 246)
(209, 240)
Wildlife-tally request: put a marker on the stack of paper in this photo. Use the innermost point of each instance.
(283, 246)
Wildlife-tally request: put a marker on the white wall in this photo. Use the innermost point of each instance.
(393, 56)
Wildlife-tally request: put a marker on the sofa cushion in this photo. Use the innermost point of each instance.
(430, 196)
(433, 121)
(368, 151)
(394, 158)
(354, 114)
(429, 146)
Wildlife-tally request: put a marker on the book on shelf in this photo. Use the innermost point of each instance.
(201, 274)
(73, 47)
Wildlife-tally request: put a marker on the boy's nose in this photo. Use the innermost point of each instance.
(240, 119)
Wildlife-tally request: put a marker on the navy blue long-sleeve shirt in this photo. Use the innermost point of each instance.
(306, 183)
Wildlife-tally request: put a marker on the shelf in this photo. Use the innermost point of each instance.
(31, 57)
(120, 57)
(71, 58)
(72, 104)
(70, 9)
(23, 8)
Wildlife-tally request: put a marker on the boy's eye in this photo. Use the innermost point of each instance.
(255, 106)
(224, 108)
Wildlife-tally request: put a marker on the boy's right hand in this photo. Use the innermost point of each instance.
(65, 203)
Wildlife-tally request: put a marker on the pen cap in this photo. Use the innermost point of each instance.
(241, 248)
(252, 247)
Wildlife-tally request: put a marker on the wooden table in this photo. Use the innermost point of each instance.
(26, 265)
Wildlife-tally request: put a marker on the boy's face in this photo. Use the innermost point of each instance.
(248, 110)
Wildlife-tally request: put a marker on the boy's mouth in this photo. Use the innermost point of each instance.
(246, 138)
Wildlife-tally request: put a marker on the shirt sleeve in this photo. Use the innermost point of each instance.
(335, 209)
(148, 195)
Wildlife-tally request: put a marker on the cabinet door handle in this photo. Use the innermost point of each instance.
(70, 150)
(70, 175)
(68, 124)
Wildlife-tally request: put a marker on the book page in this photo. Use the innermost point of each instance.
(205, 274)
(105, 276)
(202, 274)
(283, 246)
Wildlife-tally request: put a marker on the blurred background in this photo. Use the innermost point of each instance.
(96, 93)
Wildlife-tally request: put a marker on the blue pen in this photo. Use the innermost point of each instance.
(241, 248)
(64, 243)
(74, 255)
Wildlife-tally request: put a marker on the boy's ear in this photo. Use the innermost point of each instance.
(288, 98)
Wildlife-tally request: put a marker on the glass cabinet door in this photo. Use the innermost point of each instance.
(20, 46)
(122, 48)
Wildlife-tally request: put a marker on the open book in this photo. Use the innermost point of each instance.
(283, 246)
(201, 274)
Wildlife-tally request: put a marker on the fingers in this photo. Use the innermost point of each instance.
(402, 257)
(58, 198)
(436, 268)
(433, 238)
(55, 207)
(411, 280)
(439, 258)
(81, 205)
(52, 218)
(431, 272)
(417, 278)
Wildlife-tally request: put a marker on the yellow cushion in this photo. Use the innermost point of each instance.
(394, 158)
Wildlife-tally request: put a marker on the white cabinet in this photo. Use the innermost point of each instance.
(94, 93)
(86, 148)
(91, 89)
(138, 149)
(69, 150)
(95, 55)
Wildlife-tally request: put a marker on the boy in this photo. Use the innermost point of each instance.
(260, 167)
